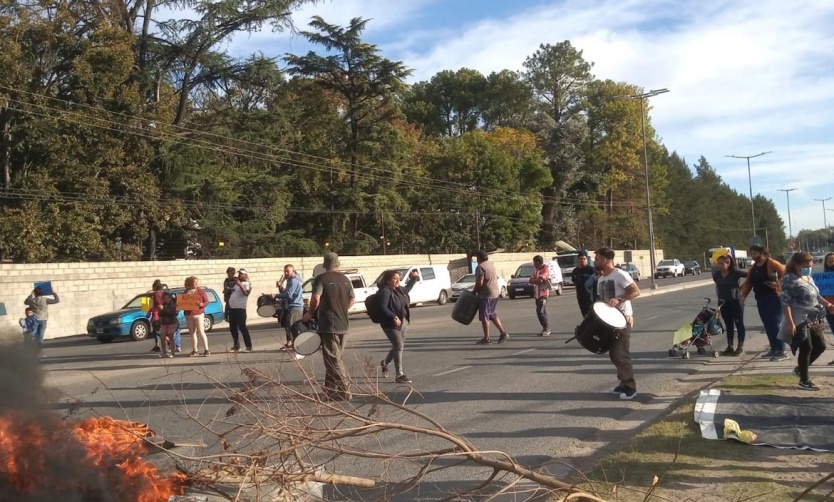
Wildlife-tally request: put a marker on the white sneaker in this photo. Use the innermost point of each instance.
(297, 356)
(545, 332)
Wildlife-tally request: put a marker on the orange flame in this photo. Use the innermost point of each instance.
(49, 456)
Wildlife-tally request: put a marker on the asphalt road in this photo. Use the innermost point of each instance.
(539, 399)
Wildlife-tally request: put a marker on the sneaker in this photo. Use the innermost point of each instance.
(628, 394)
(402, 379)
(285, 348)
(155, 348)
(162, 355)
(248, 349)
(770, 353)
(178, 349)
(739, 351)
(780, 355)
(206, 354)
(808, 385)
(796, 371)
(170, 355)
(384, 369)
(297, 356)
(503, 338)
(235, 349)
(193, 353)
(483, 341)
(619, 390)
(545, 332)
(728, 351)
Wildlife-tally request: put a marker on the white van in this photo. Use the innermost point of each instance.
(434, 284)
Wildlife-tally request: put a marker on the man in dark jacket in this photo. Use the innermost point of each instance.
(579, 276)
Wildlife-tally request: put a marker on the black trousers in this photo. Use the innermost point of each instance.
(809, 350)
(237, 323)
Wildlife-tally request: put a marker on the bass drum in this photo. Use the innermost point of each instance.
(266, 306)
(465, 308)
(600, 328)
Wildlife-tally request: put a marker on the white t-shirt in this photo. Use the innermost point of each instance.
(614, 285)
(238, 299)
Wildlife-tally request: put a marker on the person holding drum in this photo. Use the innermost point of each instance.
(616, 288)
(333, 296)
(764, 280)
(290, 293)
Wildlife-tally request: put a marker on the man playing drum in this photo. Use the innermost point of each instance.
(616, 288)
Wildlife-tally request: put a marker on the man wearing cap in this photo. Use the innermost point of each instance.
(332, 298)
(237, 310)
(579, 277)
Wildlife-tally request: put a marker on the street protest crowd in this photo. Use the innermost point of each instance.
(788, 301)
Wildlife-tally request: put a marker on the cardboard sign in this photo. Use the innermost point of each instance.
(718, 253)
(825, 282)
(45, 286)
(187, 301)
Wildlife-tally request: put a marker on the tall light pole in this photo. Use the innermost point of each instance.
(824, 219)
(642, 97)
(788, 195)
(750, 181)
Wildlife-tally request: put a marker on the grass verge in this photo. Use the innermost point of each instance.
(671, 461)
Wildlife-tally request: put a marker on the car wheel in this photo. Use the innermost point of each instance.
(104, 339)
(208, 323)
(559, 290)
(503, 293)
(512, 296)
(444, 296)
(140, 330)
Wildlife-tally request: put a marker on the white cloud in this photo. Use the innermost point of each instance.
(745, 76)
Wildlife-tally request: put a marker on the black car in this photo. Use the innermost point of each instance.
(691, 267)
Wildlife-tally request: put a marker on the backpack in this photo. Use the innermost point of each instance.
(372, 306)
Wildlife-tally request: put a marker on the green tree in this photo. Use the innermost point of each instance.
(559, 77)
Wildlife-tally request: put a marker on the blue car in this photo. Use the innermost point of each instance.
(131, 321)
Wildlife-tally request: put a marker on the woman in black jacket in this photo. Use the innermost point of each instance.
(393, 303)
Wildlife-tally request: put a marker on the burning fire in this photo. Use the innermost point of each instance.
(97, 459)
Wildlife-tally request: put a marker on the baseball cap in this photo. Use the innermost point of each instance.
(243, 271)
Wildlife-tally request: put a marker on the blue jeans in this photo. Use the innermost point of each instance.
(39, 332)
(770, 311)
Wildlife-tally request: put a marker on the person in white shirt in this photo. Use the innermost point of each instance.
(616, 288)
(237, 310)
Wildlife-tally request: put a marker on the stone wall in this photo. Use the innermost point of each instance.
(89, 289)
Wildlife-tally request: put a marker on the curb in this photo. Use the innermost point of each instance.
(675, 288)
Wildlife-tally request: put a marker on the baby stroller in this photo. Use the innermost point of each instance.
(699, 333)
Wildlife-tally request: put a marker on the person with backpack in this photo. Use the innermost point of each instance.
(168, 324)
(393, 313)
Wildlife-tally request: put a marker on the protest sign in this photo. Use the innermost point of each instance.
(825, 282)
(46, 287)
(187, 301)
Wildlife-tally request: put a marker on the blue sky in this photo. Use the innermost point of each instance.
(745, 76)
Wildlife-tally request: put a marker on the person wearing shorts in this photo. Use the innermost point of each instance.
(486, 287)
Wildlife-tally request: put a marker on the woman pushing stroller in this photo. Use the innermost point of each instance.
(726, 277)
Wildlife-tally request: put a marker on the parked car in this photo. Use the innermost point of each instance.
(520, 282)
(433, 285)
(468, 282)
(131, 321)
(691, 267)
(361, 290)
(668, 268)
(632, 270)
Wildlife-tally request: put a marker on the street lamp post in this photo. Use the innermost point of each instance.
(788, 195)
(750, 182)
(642, 97)
(824, 219)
